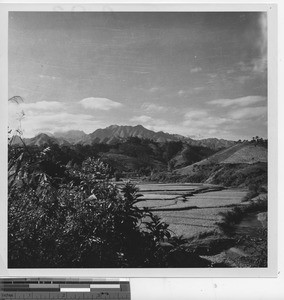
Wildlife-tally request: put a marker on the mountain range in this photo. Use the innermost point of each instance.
(115, 133)
(211, 160)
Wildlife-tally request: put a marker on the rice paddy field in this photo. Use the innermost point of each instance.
(189, 209)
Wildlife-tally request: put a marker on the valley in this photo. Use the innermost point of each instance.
(195, 212)
(134, 151)
(190, 209)
(190, 194)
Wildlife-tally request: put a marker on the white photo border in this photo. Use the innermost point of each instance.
(271, 270)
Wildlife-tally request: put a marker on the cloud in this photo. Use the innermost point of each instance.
(160, 125)
(212, 75)
(202, 123)
(33, 124)
(237, 122)
(242, 122)
(248, 113)
(201, 119)
(195, 70)
(198, 89)
(192, 91)
(195, 114)
(242, 79)
(255, 67)
(40, 105)
(99, 103)
(141, 119)
(156, 124)
(181, 92)
(243, 101)
(154, 89)
(19, 111)
(151, 107)
(48, 77)
(49, 116)
(260, 63)
(244, 67)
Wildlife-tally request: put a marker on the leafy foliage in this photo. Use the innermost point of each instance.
(85, 221)
(232, 217)
(63, 210)
(133, 155)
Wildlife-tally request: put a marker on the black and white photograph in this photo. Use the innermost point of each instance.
(137, 139)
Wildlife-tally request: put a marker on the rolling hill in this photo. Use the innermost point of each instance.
(212, 143)
(239, 153)
(239, 165)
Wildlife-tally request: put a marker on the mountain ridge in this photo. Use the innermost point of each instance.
(115, 133)
(119, 133)
(71, 136)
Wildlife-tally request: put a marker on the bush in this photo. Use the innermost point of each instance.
(85, 222)
(253, 191)
(229, 220)
(232, 217)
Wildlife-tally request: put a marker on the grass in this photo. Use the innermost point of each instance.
(202, 235)
(254, 242)
(201, 199)
(254, 191)
(211, 231)
(234, 216)
(188, 220)
(229, 175)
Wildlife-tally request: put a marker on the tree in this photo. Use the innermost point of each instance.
(80, 218)
(87, 222)
(171, 149)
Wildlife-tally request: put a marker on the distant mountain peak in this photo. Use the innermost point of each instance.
(140, 126)
(42, 134)
(41, 139)
(71, 136)
(118, 133)
(71, 131)
(113, 126)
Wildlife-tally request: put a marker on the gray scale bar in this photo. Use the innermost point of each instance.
(47, 289)
(74, 285)
(91, 295)
(44, 285)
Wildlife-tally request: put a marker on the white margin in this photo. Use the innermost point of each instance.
(171, 288)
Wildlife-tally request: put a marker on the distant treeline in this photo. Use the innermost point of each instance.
(256, 140)
(139, 156)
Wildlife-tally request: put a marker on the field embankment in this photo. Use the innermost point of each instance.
(189, 209)
(219, 225)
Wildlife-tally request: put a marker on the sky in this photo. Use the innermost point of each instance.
(198, 74)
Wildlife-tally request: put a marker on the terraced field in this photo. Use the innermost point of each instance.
(189, 209)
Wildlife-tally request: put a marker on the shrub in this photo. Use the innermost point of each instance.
(253, 191)
(229, 220)
(85, 222)
(232, 217)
